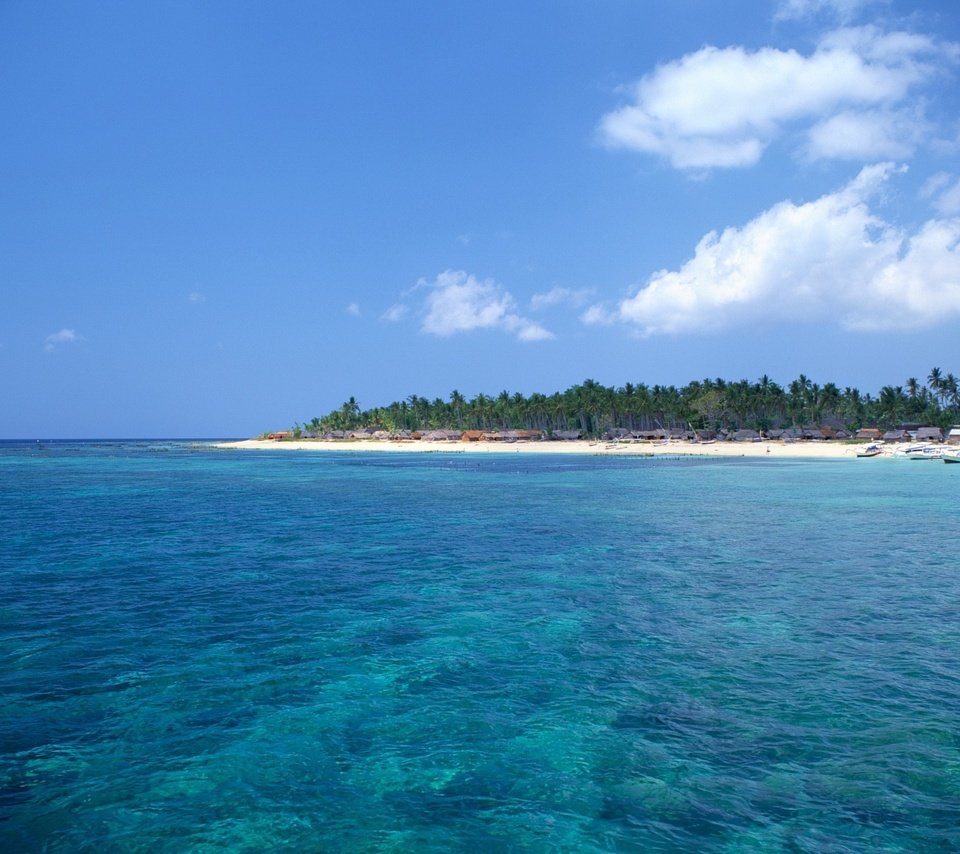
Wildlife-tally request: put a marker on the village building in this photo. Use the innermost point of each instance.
(929, 434)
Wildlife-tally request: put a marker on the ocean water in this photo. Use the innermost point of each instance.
(212, 650)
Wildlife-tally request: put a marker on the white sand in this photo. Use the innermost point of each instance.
(770, 449)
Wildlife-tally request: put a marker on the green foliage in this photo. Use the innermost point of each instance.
(701, 404)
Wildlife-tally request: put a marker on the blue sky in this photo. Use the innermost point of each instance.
(220, 218)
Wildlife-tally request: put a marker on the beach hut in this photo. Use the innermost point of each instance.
(438, 436)
(929, 434)
(567, 435)
(953, 437)
(869, 434)
(746, 436)
(529, 435)
(896, 436)
(471, 436)
(650, 435)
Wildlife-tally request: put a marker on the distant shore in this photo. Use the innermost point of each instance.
(766, 449)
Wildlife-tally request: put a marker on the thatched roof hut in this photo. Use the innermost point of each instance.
(746, 436)
(896, 436)
(650, 435)
(870, 434)
(442, 435)
(529, 435)
(567, 435)
(929, 434)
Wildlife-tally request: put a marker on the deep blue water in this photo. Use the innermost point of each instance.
(222, 650)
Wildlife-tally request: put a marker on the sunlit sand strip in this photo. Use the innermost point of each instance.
(766, 449)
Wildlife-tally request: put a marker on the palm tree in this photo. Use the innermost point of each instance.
(457, 402)
(935, 381)
(890, 404)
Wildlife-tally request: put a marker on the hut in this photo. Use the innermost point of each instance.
(529, 435)
(567, 435)
(896, 436)
(746, 436)
(471, 436)
(650, 435)
(442, 436)
(953, 437)
(869, 434)
(929, 434)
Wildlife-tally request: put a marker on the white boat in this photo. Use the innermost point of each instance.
(871, 450)
(921, 452)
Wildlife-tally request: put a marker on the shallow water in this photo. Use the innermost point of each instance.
(211, 650)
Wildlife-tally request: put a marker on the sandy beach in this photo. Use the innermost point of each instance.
(769, 449)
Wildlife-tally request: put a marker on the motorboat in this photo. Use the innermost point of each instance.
(921, 452)
(872, 450)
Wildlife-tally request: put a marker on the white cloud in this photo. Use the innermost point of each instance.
(599, 315)
(353, 309)
(947, 200)
(830, 260)
(559, 296)
(196, 296)
(870, 134)
(844, 10)
(721, 107)
(934, 184)
(459, 302)
(64, 336)
(395, 313)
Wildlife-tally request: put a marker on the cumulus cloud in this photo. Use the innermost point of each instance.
(459, 302)
(560, 296)
(64, 336)
(196, 297)
(353, 309)
(870, 134)
(830, 260)
(721, 107)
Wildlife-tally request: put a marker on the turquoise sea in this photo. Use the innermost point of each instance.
(207, 650)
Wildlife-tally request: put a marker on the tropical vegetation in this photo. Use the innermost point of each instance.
(701, 404)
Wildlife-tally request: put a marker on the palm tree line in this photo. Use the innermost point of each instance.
(700, 405)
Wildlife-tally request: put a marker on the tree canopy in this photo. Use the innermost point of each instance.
(701, 404)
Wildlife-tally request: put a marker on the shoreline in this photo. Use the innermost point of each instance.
(767, 449)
